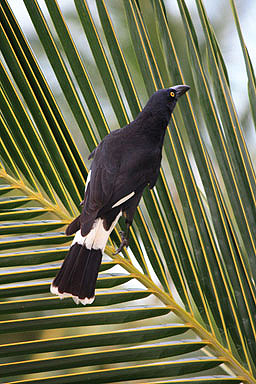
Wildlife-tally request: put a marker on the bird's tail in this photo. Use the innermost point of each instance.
(78, 274)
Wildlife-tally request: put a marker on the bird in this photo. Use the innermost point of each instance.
(125, 162)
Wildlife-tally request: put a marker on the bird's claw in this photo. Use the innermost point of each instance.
(124, 243)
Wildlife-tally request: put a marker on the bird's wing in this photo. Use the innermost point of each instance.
(121, 168)
(105, 169)
(97, 195)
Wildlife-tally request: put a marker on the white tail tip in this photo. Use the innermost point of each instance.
(54, 290)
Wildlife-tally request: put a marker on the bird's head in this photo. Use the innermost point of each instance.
(162, 103)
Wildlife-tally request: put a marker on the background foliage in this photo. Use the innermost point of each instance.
(179, 304)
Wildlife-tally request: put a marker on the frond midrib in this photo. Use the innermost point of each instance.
(188, 319)
(58, 210)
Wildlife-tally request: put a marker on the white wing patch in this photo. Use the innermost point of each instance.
(87, 180)
(123, 200)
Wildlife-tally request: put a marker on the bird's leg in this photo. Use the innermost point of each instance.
(128, 213)
(124, 238)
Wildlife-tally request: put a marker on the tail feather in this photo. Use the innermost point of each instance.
(90, 274)
(78, 274)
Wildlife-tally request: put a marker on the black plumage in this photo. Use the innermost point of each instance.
(124, 163)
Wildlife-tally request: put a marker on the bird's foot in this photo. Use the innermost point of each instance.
(124, 242)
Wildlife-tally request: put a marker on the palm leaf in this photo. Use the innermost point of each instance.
(180, 303)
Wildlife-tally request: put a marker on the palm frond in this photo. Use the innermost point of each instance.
(180, 302)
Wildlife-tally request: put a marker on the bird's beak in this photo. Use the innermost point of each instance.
(180, 90)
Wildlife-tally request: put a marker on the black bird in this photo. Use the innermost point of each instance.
(124, 163)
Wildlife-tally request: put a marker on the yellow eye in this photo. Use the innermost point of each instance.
(172, 94)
